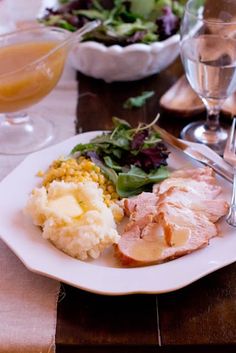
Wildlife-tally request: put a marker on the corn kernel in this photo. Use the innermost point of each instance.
(110, 189)
(79, 170)
(114, 196)
(97, 169)
(101, 179)
(40, 173)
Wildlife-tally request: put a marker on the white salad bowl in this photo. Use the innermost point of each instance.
(116, 63)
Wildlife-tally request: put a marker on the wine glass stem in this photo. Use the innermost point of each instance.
(212, 121)
(213, 108)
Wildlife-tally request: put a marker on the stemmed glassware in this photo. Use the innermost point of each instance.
(208, 52)
(31, 63)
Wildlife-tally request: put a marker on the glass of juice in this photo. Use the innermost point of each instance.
(31, 63)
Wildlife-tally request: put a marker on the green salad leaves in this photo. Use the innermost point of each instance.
(133, 159)
(123, 21)
(135, 180)
(139, 101)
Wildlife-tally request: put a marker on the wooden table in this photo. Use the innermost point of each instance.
(198, 318)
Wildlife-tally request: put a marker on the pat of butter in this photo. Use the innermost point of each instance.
(66, 205)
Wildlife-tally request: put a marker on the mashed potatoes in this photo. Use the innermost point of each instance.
(74, 217)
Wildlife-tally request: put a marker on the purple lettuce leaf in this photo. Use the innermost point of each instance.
(168, 24)
(138, 139)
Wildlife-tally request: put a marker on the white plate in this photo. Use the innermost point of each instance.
(103, 276)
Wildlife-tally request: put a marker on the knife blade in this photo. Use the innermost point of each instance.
(193, 153)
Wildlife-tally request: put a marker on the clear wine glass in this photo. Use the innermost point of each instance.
(208, 52)
(31, 63)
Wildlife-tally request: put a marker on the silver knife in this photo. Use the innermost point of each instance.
(193, 153)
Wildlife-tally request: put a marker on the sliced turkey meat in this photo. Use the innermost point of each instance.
(184, 231)
(200, 180)
(176, 219)
(189, 198)
(141, 209)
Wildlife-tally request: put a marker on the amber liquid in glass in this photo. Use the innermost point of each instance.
(23, 81)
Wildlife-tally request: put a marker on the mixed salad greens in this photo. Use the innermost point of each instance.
(132, 158)
(123, 22)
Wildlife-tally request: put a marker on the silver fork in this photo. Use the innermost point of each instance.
(230, 157)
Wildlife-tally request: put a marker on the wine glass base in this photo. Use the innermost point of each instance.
(197, 132)
(26, 135)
